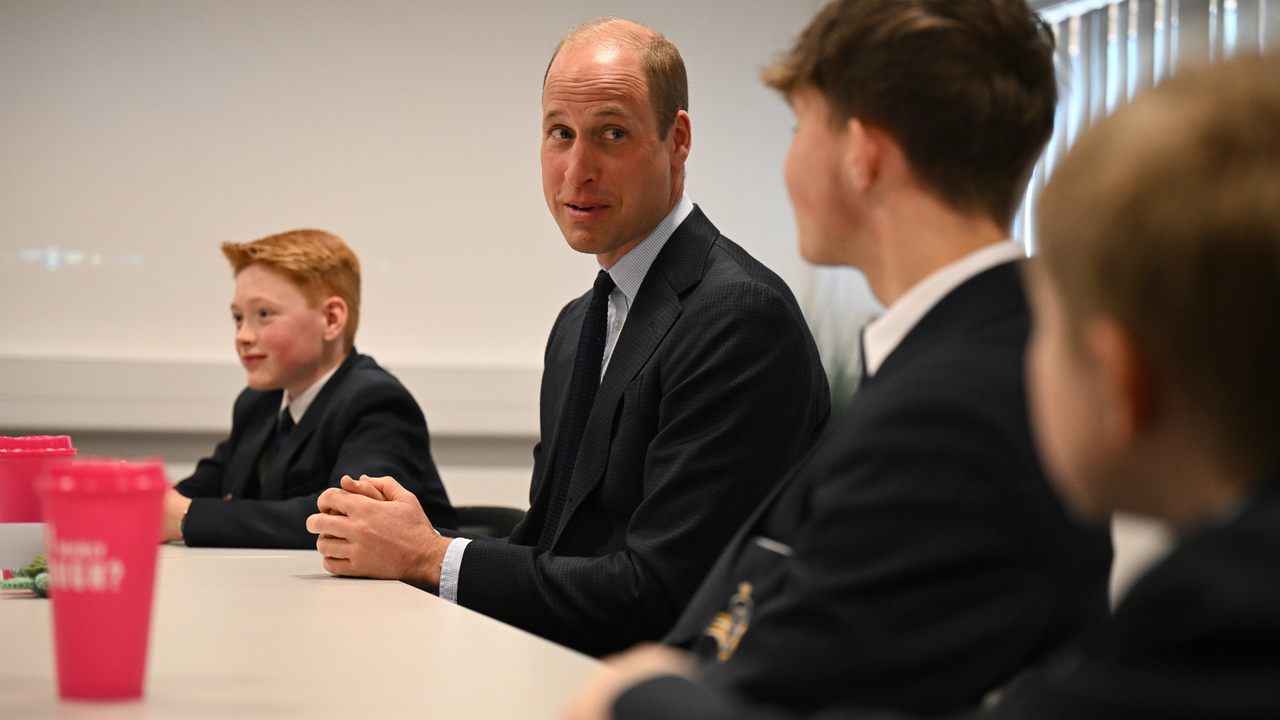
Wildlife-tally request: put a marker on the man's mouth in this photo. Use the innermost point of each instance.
(248, 360)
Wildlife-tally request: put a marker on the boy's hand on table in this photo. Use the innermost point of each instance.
(594, 701)
(175, 507)
(375, 528)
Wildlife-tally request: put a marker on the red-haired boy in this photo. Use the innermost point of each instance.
(315, 409)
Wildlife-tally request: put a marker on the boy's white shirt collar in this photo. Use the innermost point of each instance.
(883, 335)
(298, 407)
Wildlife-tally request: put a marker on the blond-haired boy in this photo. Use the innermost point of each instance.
(315, 409)
(1154, 387)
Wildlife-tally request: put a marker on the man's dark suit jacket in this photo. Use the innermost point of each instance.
(917, 558)
(363, 422)
(714, 388)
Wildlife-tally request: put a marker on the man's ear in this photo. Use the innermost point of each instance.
(334, 311)
(680, 137)
(1128, 386)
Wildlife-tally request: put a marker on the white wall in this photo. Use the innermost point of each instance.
(135, 136)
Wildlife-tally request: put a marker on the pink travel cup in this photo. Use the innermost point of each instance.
(102, 534)
(22, 459)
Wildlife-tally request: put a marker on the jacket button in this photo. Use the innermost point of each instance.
(227, 496)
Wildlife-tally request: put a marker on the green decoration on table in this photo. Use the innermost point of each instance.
(33, 577)
(37, 566)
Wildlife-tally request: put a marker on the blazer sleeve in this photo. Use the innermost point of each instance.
(670, 697)
(925, 529)
(904, 539)
(372, 430)
(742, 396)
(208, 479)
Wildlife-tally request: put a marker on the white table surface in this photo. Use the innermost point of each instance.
(269, 634)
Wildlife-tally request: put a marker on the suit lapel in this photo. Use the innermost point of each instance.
(559, 364)
(655, 310)
(244, 464)
(273, 483)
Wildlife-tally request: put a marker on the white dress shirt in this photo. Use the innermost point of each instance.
(628, 274)
(882, 335)
(298, 406)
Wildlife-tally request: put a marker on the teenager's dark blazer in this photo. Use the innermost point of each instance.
(917, 558)
(713, 390)
(1197, 637)
(363, 422)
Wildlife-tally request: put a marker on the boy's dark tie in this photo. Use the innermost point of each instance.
(284, 424)
(283, 427)
(577, 407)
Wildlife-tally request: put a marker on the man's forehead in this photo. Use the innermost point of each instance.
(556, 110)
(596, 93)
(587, 64)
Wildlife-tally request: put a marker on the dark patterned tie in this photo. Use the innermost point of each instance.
(577, 407)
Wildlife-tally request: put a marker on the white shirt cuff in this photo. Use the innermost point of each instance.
(450, 568)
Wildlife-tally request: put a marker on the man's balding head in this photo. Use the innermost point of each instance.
(660, 60)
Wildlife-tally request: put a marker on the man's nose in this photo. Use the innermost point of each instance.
(244, 334)
(583, 165)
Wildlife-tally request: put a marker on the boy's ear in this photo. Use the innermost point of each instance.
(872, 156)
(1128, 387)
(863, 155)
(334, 311)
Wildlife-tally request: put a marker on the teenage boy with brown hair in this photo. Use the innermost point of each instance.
(916, 560)
(315, 409)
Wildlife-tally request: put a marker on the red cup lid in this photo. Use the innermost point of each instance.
(37, 445)
(105, 475)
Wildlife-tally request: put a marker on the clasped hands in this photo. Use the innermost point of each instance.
(374, 528)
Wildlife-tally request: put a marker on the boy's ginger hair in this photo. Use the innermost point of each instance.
(1166, 217)
(319, 263)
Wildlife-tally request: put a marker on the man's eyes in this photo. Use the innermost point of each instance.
(612, 133)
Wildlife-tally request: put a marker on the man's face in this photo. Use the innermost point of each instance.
(608, 178)
(279, 336)
(817, 182)
(1065, 392)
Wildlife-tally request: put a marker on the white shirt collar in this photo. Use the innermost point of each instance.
(299, 406)
(882, 335)
(628, 273)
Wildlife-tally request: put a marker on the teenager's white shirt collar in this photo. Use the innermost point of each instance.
(882, 335)
(298, 407)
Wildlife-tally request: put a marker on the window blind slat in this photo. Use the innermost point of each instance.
(1110, 50)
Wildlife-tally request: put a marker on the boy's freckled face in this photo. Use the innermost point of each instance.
(1065, 398)
(279, 336)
